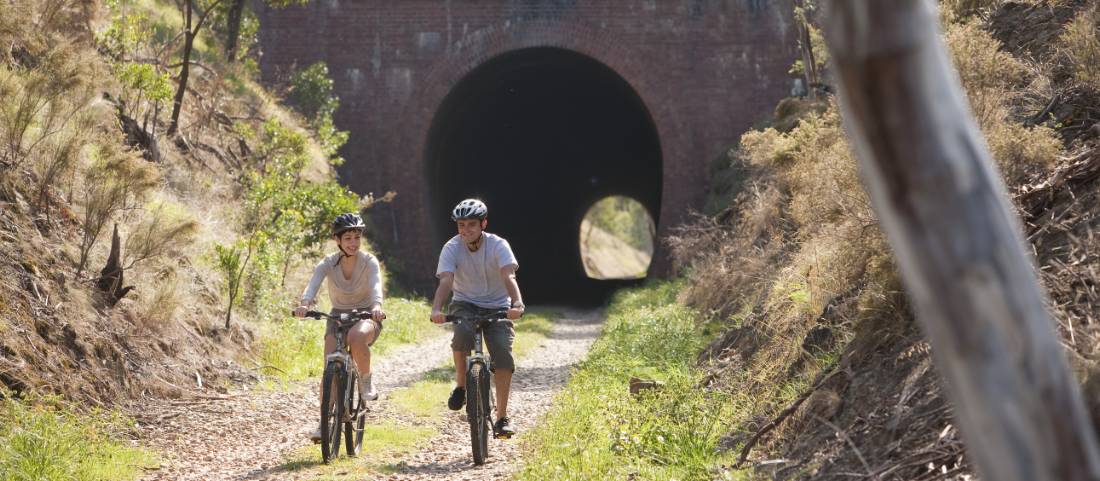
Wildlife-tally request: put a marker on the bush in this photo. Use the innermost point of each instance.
(1080, 44)
(164, 230)
(114, 181)
(994, 81)
(311, 92)
(40, 102)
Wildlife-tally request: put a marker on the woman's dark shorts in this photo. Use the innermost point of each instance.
(330, 326)
(498, 335)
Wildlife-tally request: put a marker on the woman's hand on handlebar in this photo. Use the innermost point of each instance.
(377, 315)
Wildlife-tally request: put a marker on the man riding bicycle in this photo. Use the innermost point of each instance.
(354, 283)
(479, 268)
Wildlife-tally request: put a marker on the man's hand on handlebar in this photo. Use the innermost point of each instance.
(516, 311)
(438, 317)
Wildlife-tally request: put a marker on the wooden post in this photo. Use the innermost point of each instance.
(958, 244)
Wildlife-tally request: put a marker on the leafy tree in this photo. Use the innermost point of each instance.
(192, 27)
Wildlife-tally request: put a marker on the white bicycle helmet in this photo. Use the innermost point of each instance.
(470, 209)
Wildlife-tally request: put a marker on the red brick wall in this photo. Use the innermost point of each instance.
(706, 69)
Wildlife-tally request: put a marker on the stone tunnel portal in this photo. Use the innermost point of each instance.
(540, 134)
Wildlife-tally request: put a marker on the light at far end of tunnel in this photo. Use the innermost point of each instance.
(617, 239)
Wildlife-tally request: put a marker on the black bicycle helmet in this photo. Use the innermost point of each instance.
(346, 222)
(470, 209)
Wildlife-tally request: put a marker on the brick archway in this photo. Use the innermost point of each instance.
(705, 71)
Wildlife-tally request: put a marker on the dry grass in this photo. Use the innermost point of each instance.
(1080, 45)
(995, 81)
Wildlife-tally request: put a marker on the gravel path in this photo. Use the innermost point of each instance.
(245, 434)
(539, 376)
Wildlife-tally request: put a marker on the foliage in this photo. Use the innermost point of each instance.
(40, 102)
(164, 230)
(1080, 44)
(126, 32)
(41, 438)
(311, 92)
(284, 216)
(994, 81)
(114, 181)
(143, 82)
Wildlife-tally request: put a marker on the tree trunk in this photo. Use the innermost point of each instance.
(958, 244)
(185, 69)
(809, 65)
(233, 29)
(110, 278)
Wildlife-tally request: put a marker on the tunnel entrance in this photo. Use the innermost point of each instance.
(541, 134)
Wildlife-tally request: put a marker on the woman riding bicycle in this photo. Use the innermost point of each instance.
(354, 283)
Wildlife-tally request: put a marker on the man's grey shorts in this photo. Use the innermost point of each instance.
(498, 335)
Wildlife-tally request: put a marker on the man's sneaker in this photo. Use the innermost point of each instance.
(315, 435)
(366, 388)
(502, 429)
(457, 399)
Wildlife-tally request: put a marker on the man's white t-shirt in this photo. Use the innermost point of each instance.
(477, 274)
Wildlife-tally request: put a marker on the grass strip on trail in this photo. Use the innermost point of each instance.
(597, 430)
(426, 397)
(42, 439)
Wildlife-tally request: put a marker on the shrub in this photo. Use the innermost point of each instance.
(165, 229)
(40, 102)
(1080, 44)
(115, 181)
(994, 81)
(311, 92)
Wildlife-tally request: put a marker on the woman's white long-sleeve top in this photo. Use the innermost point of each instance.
(360, 292)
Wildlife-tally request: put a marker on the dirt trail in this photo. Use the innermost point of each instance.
(245, 434)
(539, 376)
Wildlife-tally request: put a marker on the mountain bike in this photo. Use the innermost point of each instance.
(479, 389)
(341, 405)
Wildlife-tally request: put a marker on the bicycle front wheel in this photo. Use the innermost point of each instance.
(332, 410)
(357, 407)
(476, 411)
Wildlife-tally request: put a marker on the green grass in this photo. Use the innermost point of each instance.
(597, 430)
(290, 349)
(42, 439)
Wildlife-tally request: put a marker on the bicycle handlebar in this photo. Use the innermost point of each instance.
(354, 315)
(496, 316)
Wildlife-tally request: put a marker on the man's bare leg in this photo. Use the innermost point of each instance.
(503, 378)
(460, 369)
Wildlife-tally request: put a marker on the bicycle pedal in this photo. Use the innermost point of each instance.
(502, 436)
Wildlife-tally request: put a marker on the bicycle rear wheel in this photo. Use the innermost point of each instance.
(332, 410)
(353, 429)
(477, 412)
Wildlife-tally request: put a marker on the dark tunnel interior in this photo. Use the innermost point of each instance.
(541, 134)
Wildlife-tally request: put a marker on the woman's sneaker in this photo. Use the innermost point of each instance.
(457, 399)
(366, 388)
